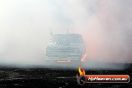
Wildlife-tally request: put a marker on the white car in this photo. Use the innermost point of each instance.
(65, 50)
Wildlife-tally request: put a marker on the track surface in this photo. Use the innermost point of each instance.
(53, 78)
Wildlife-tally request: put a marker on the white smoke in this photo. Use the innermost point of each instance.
(25, 27)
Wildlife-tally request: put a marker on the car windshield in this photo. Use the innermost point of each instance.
(67, 39)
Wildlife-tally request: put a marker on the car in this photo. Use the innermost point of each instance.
(65, 50)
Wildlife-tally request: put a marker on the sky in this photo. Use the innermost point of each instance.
(25, 27)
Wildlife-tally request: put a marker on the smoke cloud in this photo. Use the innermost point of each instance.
(25, 27)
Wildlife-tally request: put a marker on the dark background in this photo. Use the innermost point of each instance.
(53, 78)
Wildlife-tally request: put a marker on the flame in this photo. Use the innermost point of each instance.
(81, 71)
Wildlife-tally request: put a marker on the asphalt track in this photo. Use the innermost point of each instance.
(53, 78)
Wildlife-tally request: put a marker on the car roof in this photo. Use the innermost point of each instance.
(65, 35)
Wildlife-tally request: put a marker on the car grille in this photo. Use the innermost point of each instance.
(64, 52)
